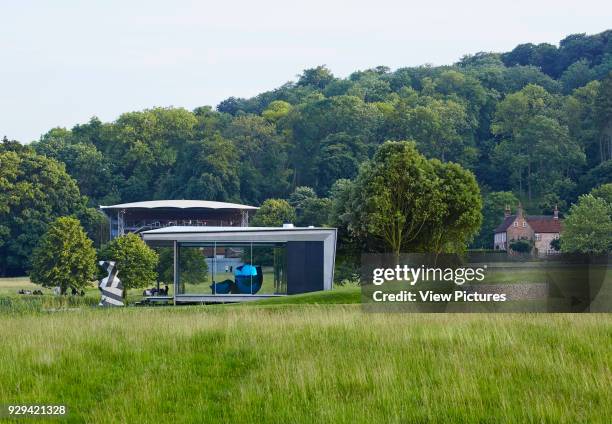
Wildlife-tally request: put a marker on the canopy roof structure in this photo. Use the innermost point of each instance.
(180, 204)
(136, 217)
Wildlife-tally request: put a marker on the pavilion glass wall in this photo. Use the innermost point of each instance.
(219, 268)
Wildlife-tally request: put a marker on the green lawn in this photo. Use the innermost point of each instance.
(308, 358)
(12, 302)
(10, 286)
(339, 295)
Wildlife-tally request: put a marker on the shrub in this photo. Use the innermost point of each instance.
(556, 244)
(520, 246)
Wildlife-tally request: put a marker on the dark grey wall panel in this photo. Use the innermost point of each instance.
(304, 266)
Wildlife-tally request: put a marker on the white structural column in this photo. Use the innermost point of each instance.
(175, 270)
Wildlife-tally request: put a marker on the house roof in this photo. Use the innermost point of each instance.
(539, 223)
(505, 224)
(544, 224)
(180, 204)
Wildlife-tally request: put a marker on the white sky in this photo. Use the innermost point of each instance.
(63, 61)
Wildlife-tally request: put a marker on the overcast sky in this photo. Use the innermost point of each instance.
(64, 61)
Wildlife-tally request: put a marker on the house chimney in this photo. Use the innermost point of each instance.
(519, 210)
(507, 211)
(556, 213)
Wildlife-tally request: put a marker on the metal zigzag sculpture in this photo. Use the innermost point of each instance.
(111, 286)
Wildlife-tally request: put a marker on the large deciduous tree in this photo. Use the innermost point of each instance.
(93, 172)
(459, 217)
(339, 158)
(34, 191)
(310, 124)
(399, 198)
(263, 169)
(603, 118)
(588, 226)
(310, 209)
(535, 147)
(394, 197)
(143, 146)
(437, 128)
(64, 257)
(604, 192)
(276, 110)
(315, 212)
(206, 169)
(299, 196)
(317, 77)
(579, 114)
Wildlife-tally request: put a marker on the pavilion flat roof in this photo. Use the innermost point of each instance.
(193, 233)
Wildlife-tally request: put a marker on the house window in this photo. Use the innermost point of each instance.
(524, 224)
(538, 236)
(515, 224)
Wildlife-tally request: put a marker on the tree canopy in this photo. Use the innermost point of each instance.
(64, 257)
(274, 213)
(412, 204)
(34, 191)
(535, 122)
(588, 227)
(136, 262)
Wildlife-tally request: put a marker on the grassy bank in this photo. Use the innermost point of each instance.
(308, 363)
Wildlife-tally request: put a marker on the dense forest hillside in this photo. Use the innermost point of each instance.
(534, 123)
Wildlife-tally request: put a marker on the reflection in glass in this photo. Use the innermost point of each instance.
(221, 268)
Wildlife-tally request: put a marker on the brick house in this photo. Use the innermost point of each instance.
(540, 230)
